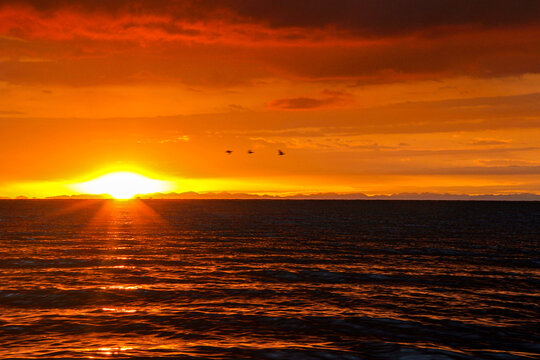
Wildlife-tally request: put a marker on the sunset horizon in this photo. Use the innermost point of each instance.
(270, 179)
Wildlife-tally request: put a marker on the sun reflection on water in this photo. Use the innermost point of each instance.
(119, 310)
(113, 350)
(121, 287)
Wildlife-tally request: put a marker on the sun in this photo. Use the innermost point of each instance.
(122, 185)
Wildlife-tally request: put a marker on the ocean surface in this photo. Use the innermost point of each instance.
(204, 279)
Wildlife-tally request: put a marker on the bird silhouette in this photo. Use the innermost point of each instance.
(229, 152)
(250, 152)
(280, 152)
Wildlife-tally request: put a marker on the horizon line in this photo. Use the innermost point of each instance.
(192, 195)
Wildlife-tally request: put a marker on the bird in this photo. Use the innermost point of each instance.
(280, 152)
(250, 152)
(229, 152)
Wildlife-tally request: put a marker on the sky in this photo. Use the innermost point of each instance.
(361, 95)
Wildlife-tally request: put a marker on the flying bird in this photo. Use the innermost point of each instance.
(250, 152)
(229, 152)
(280, 152)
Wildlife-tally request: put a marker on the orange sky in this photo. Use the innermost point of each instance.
(364, 96)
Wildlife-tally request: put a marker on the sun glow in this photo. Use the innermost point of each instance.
(122, 185)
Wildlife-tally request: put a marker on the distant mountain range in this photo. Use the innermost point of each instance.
(318, 196)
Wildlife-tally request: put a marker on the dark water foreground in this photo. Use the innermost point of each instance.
(269, 279)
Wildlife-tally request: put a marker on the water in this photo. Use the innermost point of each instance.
(269, 279)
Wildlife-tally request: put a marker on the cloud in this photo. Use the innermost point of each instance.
(330, 98)
(479, 170)
(117, 41)
(7, 112)
(367, 16)
(488, 141)
(461, 152)
(300, 103)
(509, 162)
(171, 140)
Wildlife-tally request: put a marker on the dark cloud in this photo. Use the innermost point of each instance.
(362, 41)
(301, 103)
(369, 17)
(329, 98)
(481, 54)
(483, 142)
(376, 17)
